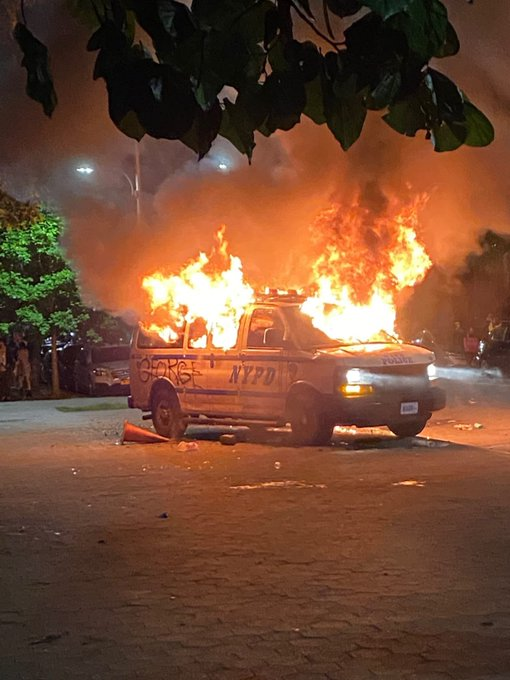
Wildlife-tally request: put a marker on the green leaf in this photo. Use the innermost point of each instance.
(285, 97)
(237, 126)
(130, 126)
(204, 130)
(388, 8)
(448, 136)
(446, 97)
(425, 25)
(386, 90)
(85, 12)
(314, 107)
(303, 58)
(160, 97)
(480, 131)
(344, 8)
(451, 44)
(345, 110)
(39, 85)
(406, 116)
(167, 22)
(271, 26)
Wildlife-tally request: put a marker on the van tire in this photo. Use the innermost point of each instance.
(408, 429)
(167, 414)
(308, 423)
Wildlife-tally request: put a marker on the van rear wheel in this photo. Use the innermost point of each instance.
(408, 428)
(167, 415)
(309, 425)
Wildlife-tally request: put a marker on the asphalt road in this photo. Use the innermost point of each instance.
(370, 558)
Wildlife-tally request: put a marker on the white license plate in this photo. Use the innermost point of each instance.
(408, 408)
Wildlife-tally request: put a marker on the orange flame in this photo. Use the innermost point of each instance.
(210, 288)
(364, 261)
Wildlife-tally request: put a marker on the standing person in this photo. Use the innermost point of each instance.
(470, 346)
(4, 373)
(458, 338)
(24, 370)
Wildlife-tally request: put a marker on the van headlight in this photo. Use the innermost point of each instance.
(353, 375)
(355, 384)
(431, 371)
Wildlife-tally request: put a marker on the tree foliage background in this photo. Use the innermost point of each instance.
(232, 68)
(38, 289)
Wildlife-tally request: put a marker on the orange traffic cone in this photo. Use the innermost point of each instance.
(133, 433)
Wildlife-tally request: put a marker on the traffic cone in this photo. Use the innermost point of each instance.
(133, 433)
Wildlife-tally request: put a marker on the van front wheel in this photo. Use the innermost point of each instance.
(167, 415)
(408, 428)
(309, 425)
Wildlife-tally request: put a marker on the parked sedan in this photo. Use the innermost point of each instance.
(102, 370)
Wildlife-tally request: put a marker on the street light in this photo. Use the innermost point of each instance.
(85, 170)
(135, 186)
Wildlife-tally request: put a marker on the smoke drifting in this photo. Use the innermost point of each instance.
(268, 206)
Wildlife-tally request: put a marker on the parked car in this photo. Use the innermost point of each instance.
(494, 351)
(102, 370)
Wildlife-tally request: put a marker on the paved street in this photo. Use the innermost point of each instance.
(371, 558)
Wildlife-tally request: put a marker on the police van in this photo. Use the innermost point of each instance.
(282, 370)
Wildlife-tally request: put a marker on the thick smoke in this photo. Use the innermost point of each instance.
(267, 206)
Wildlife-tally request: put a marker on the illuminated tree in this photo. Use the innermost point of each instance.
(38, 289)
(235, 67)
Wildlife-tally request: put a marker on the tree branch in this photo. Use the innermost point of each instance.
(326, 19)
(334, 43)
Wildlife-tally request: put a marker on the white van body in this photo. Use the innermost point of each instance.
(282, 370)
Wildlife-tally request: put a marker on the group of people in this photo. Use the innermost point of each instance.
(15, 368)
(467, 342)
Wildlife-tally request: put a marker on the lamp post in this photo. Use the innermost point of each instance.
(135, 186)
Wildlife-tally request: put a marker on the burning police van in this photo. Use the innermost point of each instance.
(280, 370)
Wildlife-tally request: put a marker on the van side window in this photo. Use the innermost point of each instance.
(197, 334)
(261, 321)
(148, 340)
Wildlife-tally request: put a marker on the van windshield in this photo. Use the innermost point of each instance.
(304, 333)
(103, 355)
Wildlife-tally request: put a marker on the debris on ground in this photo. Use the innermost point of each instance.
(288, 483)
(51, 637)
(164, 515)
(277, 465)
(430, 443)
(228, 439)
(187, 446)
(409, 482)
(468, 426)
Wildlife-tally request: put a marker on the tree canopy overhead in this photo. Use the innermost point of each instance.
(230, 68)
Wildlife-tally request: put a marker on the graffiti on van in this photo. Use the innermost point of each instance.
(178, 371)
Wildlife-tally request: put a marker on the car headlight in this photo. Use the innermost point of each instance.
(431, 371)
(100, 371)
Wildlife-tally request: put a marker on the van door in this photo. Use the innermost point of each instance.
(260, 373)
(222, 389)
